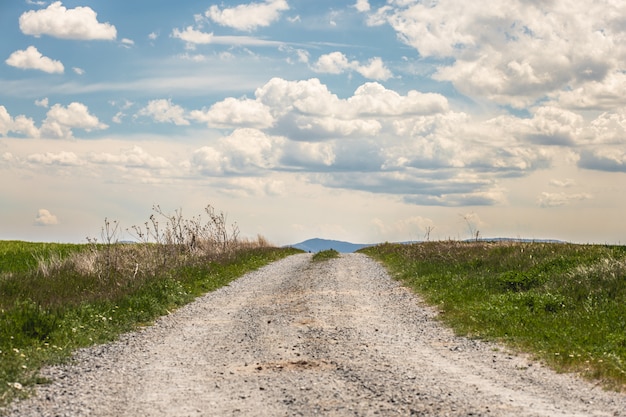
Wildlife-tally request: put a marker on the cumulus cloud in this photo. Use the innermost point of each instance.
(605, 94)
(45, 218)
(512, 53)
(248, 17)
(410, 145)
(61, 120)
(311, 97)
(338, 63)
(232, 112)
(31, 58)
(20, 124)
(246, 151)
(164, 111)
(80, 23)
(42, 103)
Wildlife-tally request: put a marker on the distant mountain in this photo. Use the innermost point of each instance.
(317, 245)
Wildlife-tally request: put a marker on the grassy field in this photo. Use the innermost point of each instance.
(55, 298)
(564, 303)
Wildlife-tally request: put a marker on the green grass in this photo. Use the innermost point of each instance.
(73, 296)
(325, 255)
(18, 256)
(564, 303)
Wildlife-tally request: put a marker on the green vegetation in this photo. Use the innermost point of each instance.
(57, 298)
(325, 255)
(564, 303)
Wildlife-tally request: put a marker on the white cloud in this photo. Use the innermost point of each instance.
(42, 103)
(245, 151)
(308, 155)
(333, 63)
(153, 36)
(375, 69)
(20, 124)
(362, 6)
(31, 58)
(375, 99)
(61, 120)
(78, 71)
(338, 63)
(311, 99)
(164, 111)
(195, 37)
(561, 199)
(80, 23)
(566, 183)
(605, 94)
(118, 117)
(63, 158)
(45, 218)
(233, 113)
(517, 52)
(192, 36)
(609, 128)
(128, 42)
(135, 157)
(248, 17)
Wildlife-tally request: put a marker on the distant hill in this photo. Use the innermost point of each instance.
(317, 245)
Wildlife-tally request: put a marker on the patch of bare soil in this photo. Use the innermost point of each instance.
(298, 338)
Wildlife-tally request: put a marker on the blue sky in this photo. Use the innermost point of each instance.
(360, 120)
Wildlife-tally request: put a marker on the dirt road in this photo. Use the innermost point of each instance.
(298, 338)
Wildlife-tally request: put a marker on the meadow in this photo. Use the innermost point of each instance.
(55, 298)
(563, 303)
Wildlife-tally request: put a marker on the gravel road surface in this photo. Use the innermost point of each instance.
(298, 338)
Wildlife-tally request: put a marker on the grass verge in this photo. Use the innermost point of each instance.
(70, 311)
(325, 255)
(55, 298)
(564, 303)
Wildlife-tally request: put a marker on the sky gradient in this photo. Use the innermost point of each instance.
(363, 121)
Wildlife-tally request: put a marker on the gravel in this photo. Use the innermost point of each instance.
(302, 338)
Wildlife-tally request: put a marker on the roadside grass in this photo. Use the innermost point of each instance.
(563, 303)
(78, 295)
(325, 255)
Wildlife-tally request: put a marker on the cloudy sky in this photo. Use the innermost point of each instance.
(362, 120)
